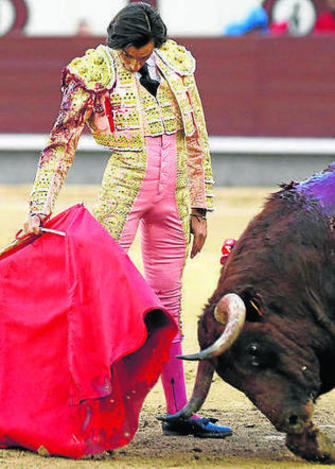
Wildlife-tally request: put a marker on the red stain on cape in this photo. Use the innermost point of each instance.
(83, 340)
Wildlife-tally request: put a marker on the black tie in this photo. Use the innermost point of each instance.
(146, 81)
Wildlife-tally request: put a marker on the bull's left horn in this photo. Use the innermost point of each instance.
(231, 311)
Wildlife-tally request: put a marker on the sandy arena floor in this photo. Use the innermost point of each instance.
(255, 443)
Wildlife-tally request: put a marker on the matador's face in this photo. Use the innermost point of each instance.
(133, 59)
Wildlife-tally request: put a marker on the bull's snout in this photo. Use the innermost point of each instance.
(295, 421)
(294, 424)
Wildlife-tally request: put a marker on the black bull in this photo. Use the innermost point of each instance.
(269, 328)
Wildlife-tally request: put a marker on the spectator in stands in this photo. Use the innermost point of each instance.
(83, 28)
(256, 20)
(325, 23)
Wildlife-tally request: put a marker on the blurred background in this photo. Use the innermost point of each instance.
(265, 71)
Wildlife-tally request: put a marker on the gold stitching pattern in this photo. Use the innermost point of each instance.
(177, 57)
(95, 69)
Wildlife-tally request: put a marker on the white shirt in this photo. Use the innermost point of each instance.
(152, 69)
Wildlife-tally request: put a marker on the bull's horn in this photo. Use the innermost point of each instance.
(229, 311)
(200, 391)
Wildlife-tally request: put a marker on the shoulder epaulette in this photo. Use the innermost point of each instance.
(177, 57)
(96, 69)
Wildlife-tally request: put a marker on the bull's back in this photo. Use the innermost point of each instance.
(321, 187)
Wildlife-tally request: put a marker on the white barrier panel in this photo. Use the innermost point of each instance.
(229, 145)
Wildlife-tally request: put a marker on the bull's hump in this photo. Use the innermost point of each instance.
(321, 187)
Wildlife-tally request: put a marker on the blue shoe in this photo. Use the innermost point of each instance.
(199, 428)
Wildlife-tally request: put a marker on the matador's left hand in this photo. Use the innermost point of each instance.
(198, 226)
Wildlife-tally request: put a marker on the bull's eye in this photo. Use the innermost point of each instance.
(254, 354)
(253, 349)
(257, 351)
(255, 361)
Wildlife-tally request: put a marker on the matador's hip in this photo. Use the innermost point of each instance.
(127, 172)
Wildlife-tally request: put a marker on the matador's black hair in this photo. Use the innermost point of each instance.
(136, 25)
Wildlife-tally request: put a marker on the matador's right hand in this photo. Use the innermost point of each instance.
(32, 224)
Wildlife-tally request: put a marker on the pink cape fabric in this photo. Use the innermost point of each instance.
(83, 340)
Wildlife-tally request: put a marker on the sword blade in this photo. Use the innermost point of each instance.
(48, 230)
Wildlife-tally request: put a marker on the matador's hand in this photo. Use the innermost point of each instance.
(32, 224)
(198, 226)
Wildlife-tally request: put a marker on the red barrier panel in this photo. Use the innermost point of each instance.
(250, 85)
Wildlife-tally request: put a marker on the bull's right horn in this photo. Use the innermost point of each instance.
(200, 391)
(230, 311)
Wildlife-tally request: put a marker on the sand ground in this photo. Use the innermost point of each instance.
(255, 443)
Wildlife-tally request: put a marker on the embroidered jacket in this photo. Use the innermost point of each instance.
(99, 92)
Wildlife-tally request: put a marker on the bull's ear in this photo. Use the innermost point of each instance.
(254, 307)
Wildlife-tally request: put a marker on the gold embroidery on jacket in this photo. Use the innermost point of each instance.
(58, 155)
(95, 69)
(120, 185)
(199, 118)
(161, 115)
(182, 190)
(126, 168)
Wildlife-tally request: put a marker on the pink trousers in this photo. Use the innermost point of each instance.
(163, 248)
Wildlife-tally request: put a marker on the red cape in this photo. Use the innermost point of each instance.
(83, 340)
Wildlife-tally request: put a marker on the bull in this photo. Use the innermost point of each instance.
(269, 328)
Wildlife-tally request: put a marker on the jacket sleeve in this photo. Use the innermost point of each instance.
(199, 160)
(57, 156)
